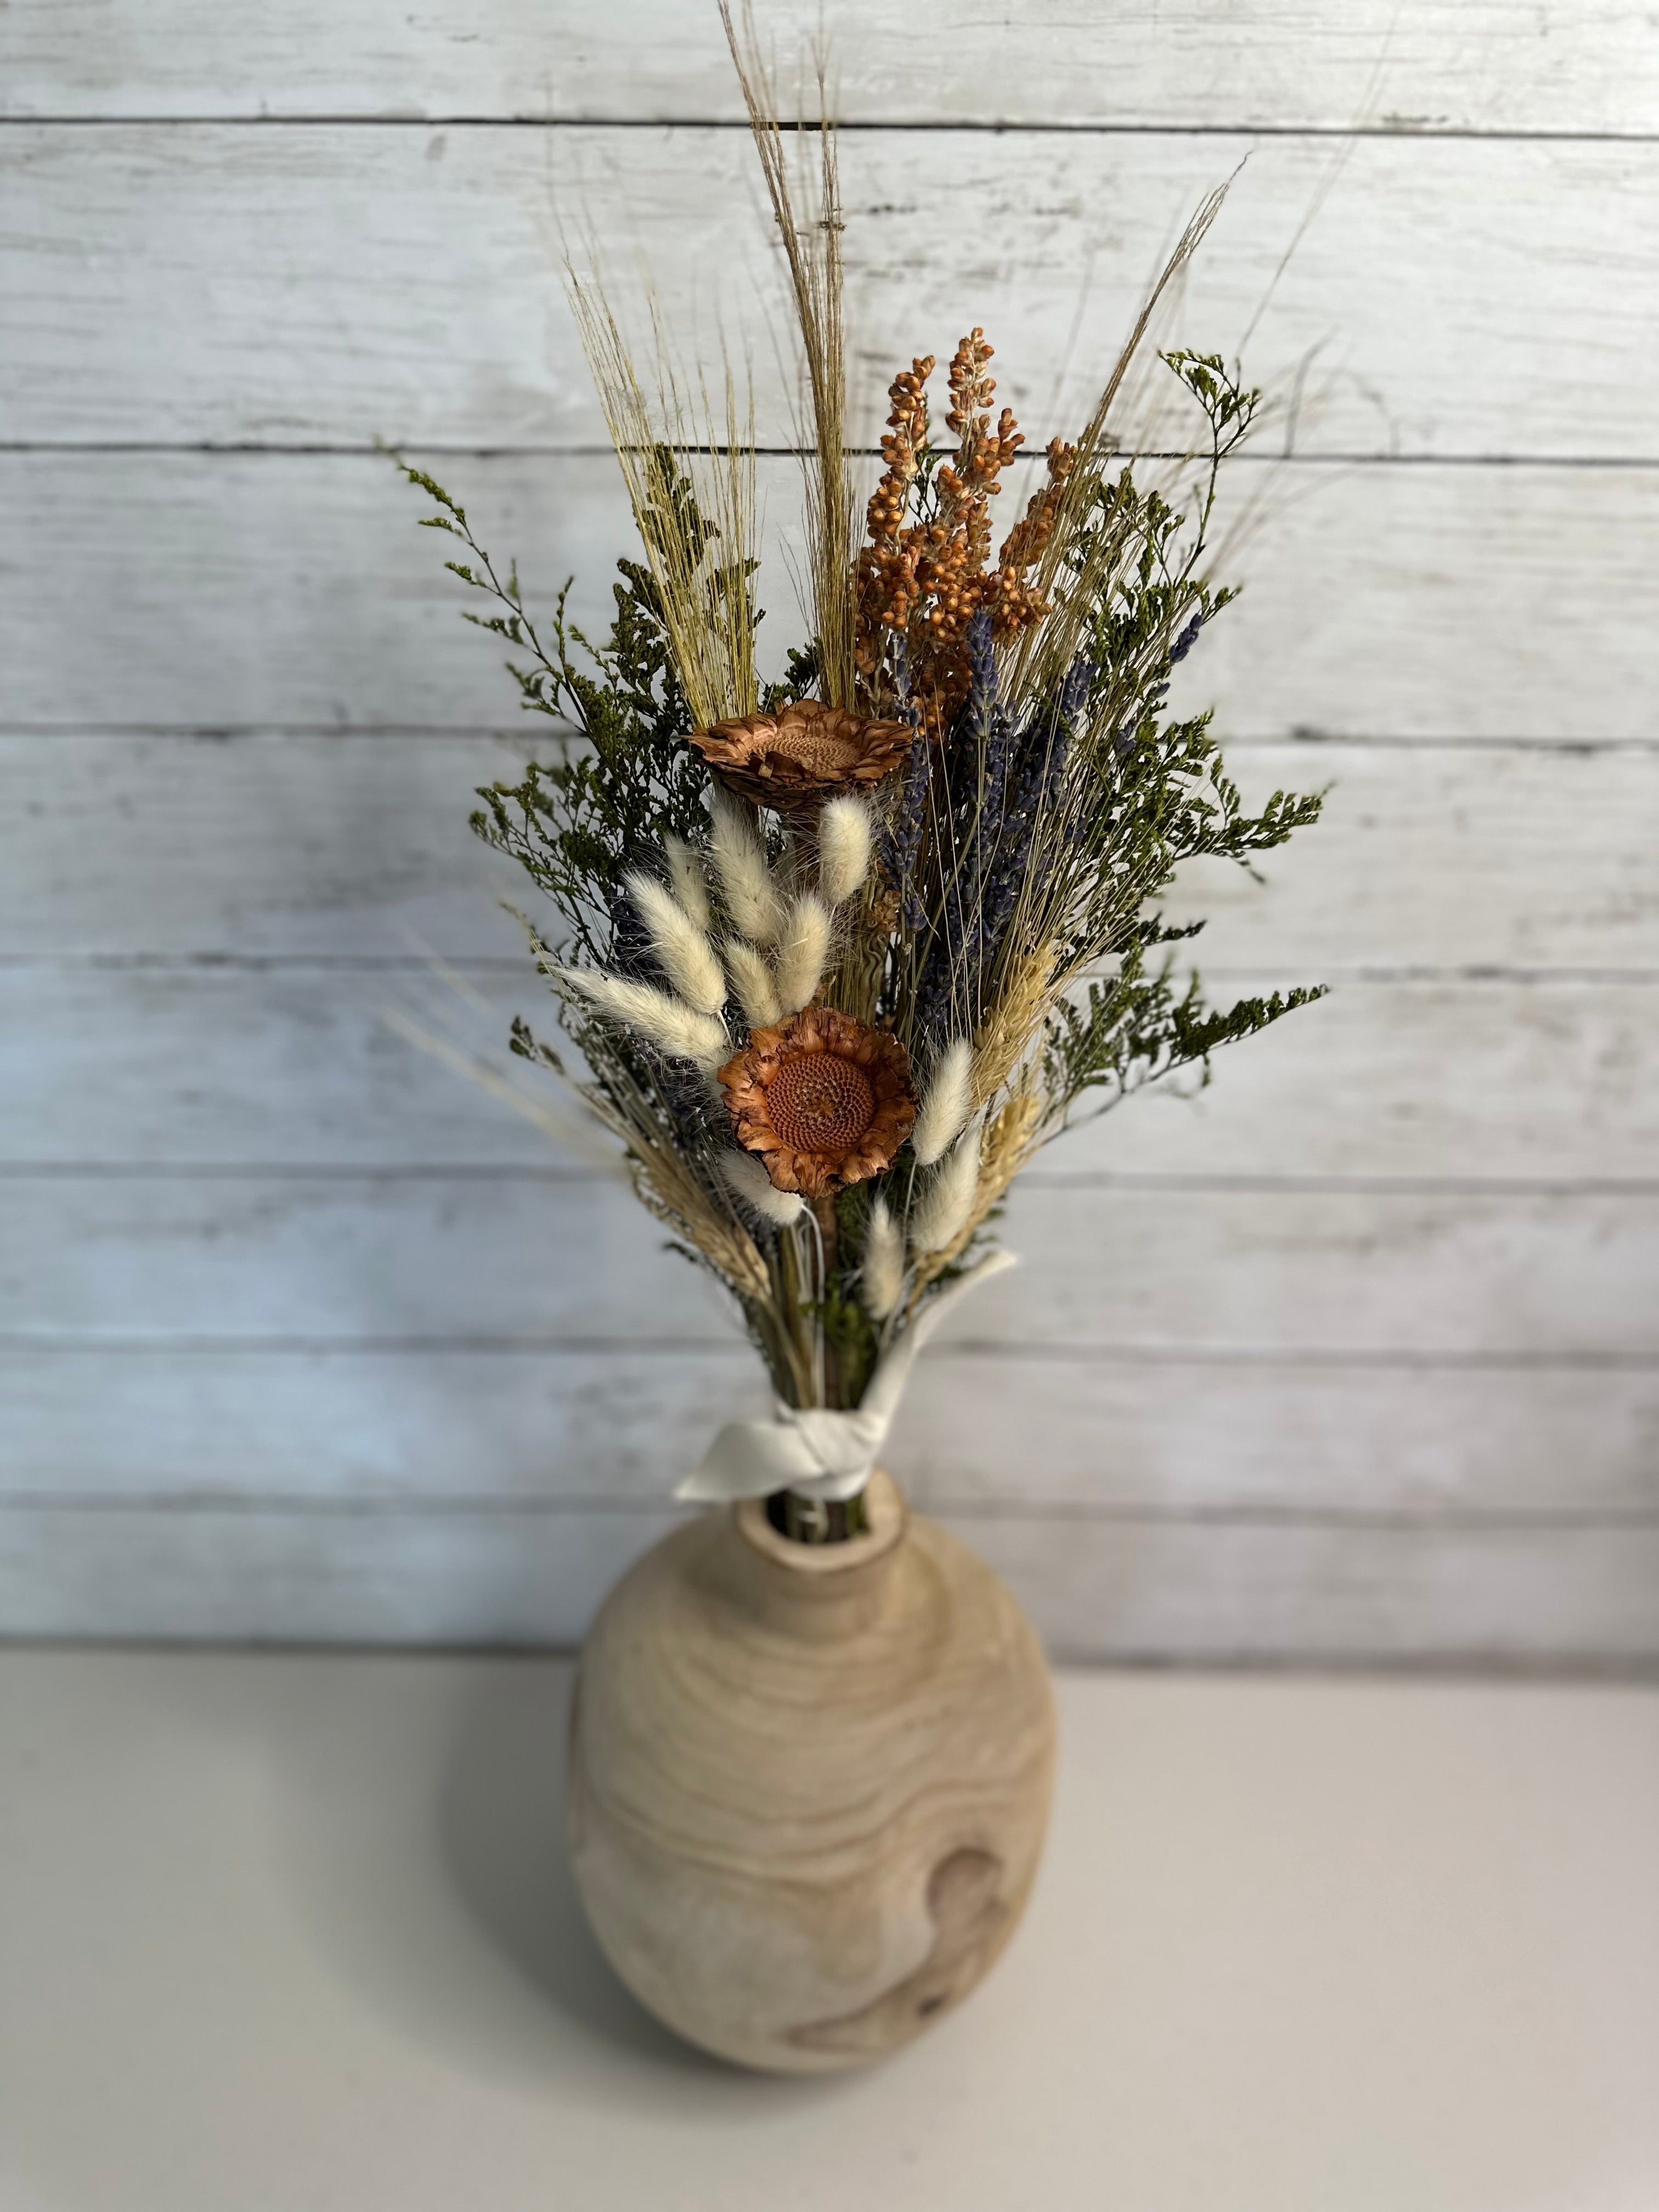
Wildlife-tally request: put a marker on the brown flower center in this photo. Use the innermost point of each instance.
(827, 745)
(817, 1102)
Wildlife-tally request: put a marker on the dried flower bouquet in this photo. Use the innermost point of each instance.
(840, 951)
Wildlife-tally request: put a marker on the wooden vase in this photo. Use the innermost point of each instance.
(808, 1783)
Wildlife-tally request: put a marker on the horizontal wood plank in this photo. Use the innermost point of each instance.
(329, 285)
(230, 590)
(1443, 1078)
(1422, 1594)
(279, 845)
(1212, 1591)
(267, 844)
(358, 1429)
(234, 1261)
(1484, 65)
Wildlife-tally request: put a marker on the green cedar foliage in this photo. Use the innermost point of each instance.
(624, 778)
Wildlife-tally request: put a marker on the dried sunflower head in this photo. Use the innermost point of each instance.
(803, 755)
(824, 1100)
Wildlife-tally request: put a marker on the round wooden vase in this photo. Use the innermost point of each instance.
(808, 1783)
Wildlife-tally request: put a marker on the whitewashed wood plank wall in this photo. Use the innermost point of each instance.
(1355, 1359)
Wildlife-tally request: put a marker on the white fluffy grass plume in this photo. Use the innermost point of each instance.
(749, 1179)
(753, 981)
(945, 1106)
(883, 1280)
(687, 880)
(948, 1200)
(803, 951)
(687, 956)
(844, 849)
(751, 896)
(668, 1023)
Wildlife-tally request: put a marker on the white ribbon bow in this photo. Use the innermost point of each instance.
(812, 1450)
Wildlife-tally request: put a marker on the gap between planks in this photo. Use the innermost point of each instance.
(490, 733)
(244, 448)
(439, 1504)
(356, 964)
(887, 127)
(1033, 1179)
(413, 1344)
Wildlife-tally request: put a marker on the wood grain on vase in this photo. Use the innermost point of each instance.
(808, 1785)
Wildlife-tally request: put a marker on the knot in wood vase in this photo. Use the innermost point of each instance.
(809, 1784)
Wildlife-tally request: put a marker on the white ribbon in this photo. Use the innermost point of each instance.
(812, 1450)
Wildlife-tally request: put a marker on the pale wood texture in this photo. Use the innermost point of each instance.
(1400, 65)
(1353, 1357)
(1417, 603)
(808, 1787)
(1547, 1076)
(1572, 1591)
(351, 844)
(327, 284)
(466, 1431)
(159, 1264)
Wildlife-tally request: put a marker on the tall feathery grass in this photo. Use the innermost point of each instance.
(691, 486)
(812, 253)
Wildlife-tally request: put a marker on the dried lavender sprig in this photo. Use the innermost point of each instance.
(1000, 748)
(946, 984)
(1035, 793)
(975, 719)
(977, 822)
(1188, 639)
(899, 840)
(995, 828)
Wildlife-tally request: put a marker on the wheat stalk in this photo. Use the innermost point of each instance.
(812, 251)
(701, 573)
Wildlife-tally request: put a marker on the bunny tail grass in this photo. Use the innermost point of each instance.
(754, 983)
(751, 896)
(677, 1030)
(882, 1281)
(946, 1103)
(687, 956)
(687, 880)
(802, 952)
(751, 1183)
(844, 835)
(949, 1198)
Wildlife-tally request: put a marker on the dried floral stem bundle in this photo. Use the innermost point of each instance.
(839, 952)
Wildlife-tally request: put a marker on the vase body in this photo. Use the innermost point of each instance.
(808, 1784)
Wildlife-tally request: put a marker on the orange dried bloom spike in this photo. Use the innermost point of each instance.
(1027, 540)
(927, 580)
(886, 577)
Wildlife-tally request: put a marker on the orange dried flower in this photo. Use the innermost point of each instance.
(1027, 540)
(926, 580)
(803, 755)
(824, 1101)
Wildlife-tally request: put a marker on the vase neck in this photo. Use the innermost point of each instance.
(820, 1590)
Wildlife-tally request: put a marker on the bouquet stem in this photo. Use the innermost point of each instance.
(816, 1520)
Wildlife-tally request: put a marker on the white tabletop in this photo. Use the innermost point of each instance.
(294, 1934)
